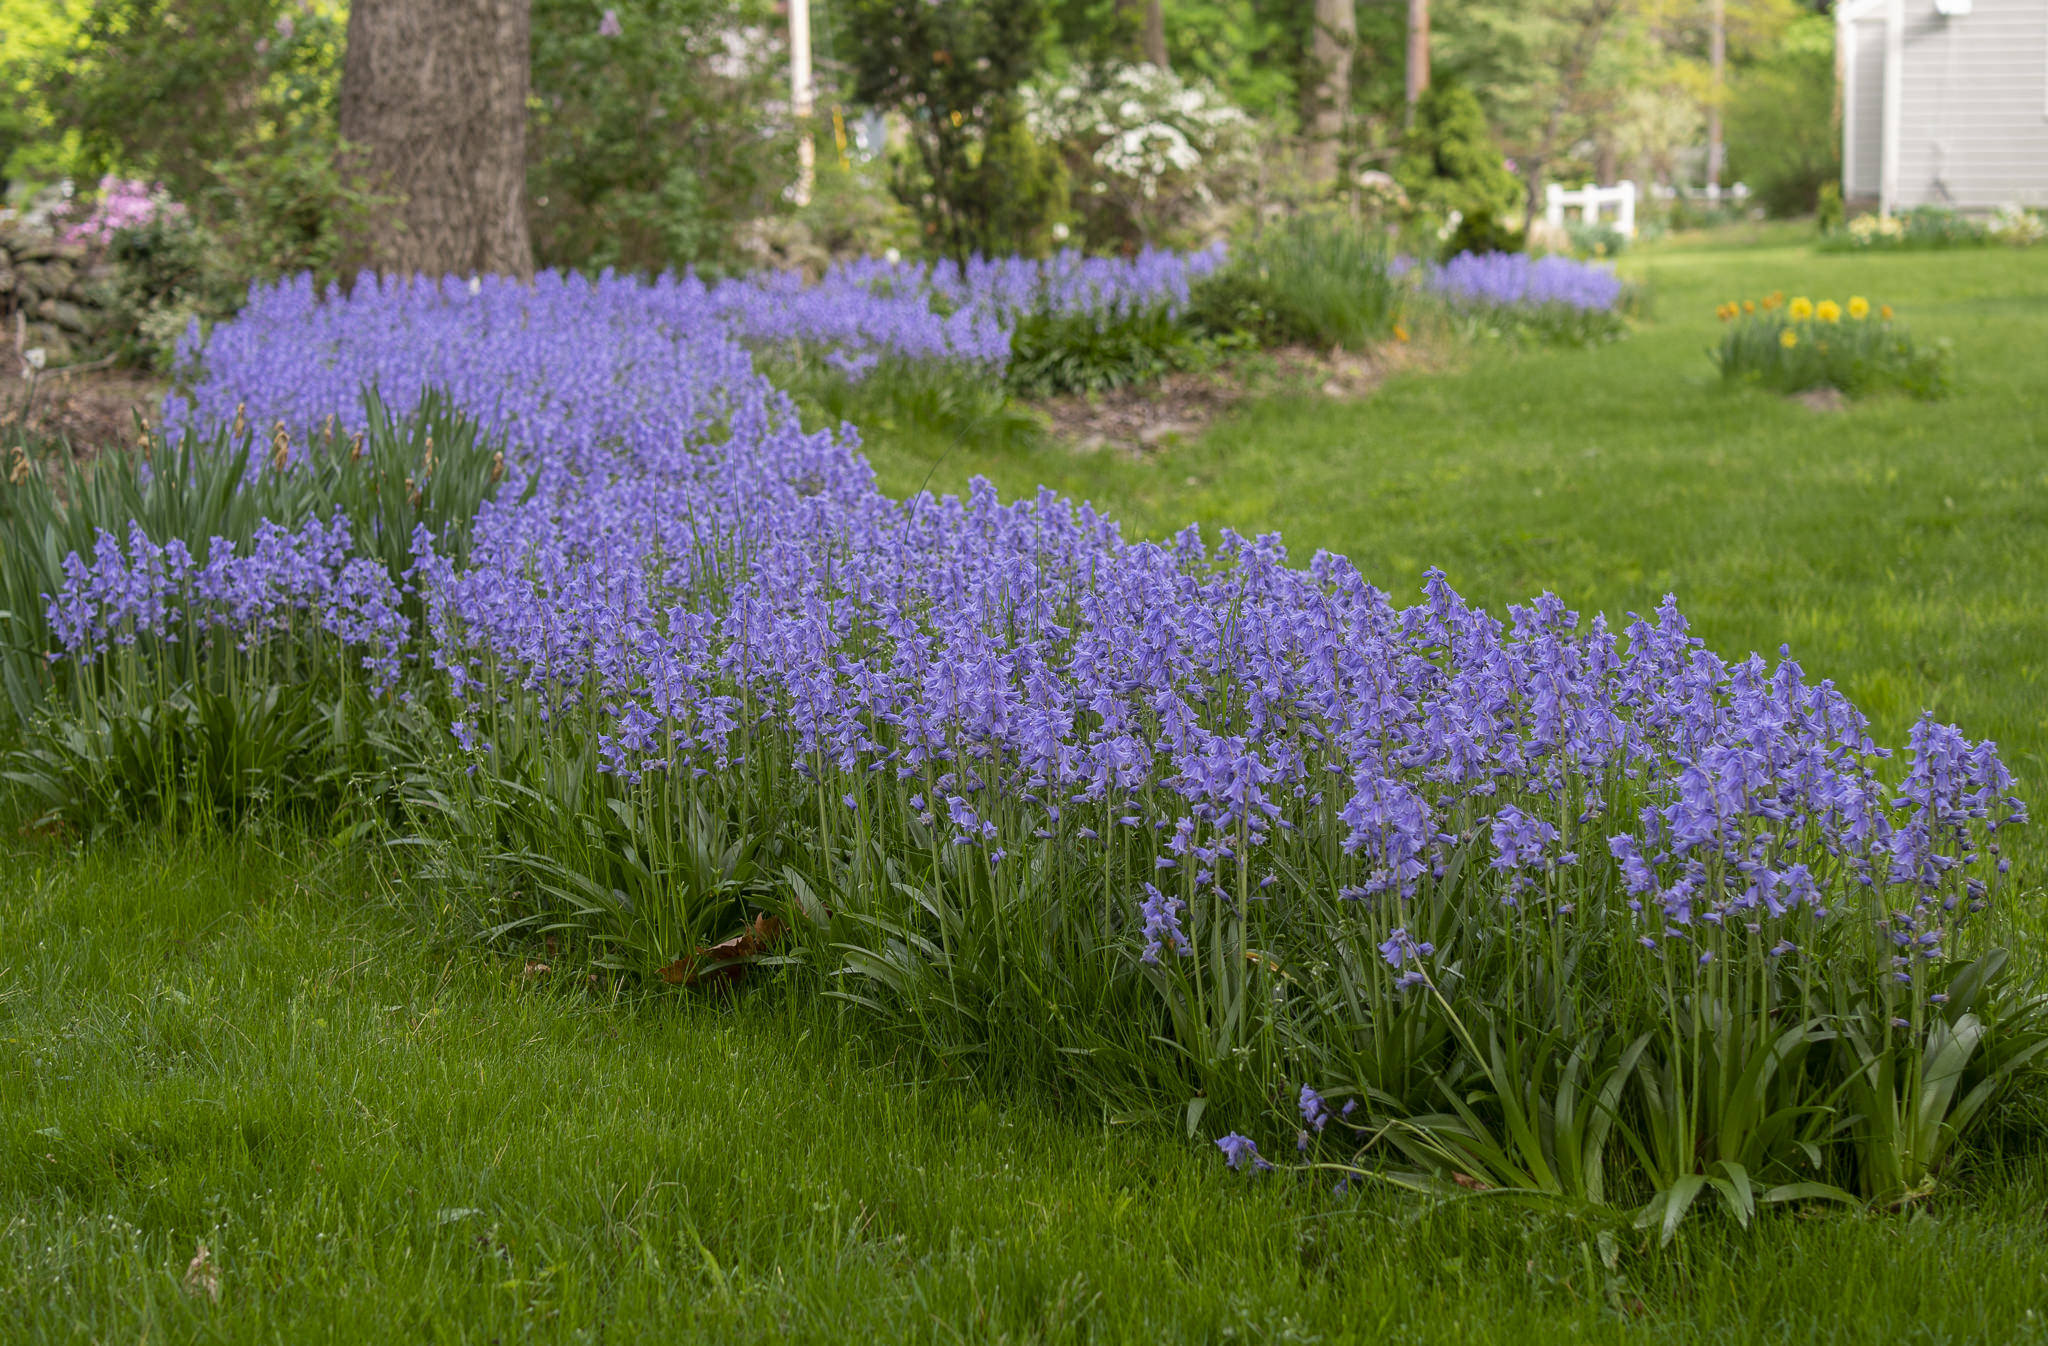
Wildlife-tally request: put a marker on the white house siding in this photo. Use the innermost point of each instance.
(1863, 106)
(1974, 124)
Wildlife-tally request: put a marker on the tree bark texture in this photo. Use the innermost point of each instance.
(1418, 54)
(433, 93)
(1336, 35)
(1152, 41)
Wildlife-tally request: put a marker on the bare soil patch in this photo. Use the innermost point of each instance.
(1181, 406)
(93, 407)
(1821, 399)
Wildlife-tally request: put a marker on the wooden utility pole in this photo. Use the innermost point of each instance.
(1418, 54)
(1336, 35)
(802, 97)
(433, 92)
(1717, 58)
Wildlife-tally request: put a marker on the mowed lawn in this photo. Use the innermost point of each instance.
(381, 1133)
(381, 1137)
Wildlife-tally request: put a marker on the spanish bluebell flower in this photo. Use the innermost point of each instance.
(1239, 1152)
(1161, 914)
(1312, 1109)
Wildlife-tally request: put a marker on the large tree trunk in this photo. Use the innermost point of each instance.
(1336, 34)
(1418, 54)
(434, 94)
(1152, 41)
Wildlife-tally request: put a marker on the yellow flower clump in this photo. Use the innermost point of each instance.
(1828, 311)
(1801, 309)
(1859, 307)
(1788, 338)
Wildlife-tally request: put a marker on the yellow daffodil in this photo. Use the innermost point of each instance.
(1801, 309)
(1400, 332)
(1749, 306)
(1724, 311)
(1788, 338)
(1774, 298)
(1885, 313)
(1828, 311)
(1859, 307)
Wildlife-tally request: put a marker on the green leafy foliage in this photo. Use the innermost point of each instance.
(973, 176)
(541, 840)
(1482, 232)
(1923, 227)
(643, 148)
(1599, 241)
(1092, 352)
(1794, 347)
(1450, 160)
(1314, 279)
(168, 88)
(953, 403)
(232, 107)
(1783, 137)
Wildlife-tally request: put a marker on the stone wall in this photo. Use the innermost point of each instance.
(50, 292)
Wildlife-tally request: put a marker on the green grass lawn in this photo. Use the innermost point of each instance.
(385, 1137)
(379, 1138)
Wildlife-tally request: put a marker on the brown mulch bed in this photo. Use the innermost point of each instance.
(1181, 406)
(93, 407)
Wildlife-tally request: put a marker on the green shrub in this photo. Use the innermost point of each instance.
(972, 173)
(643, 147)
(1827, 216)
(1080, 351)
(539, 838)
(1923, 227)
(1314, 280)
(1784, 139)
(1796, 346)
(942, 398)
(1596, 240)
(1450, 160)
(1151, 151)
(1480, 233)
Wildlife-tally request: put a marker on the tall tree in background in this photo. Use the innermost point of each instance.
(434, 94)
(1330, 48)
(1152, 38)
(1418, 54)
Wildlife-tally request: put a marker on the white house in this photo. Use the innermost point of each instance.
(1944, 102)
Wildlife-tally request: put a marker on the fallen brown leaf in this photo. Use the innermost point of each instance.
(726, 961)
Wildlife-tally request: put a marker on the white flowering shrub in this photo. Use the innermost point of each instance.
(1149, 155)
(2017, 226)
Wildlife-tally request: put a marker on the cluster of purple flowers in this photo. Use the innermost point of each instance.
(284, 580)
(864, 310)
(1513, 279)
(696, 576)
